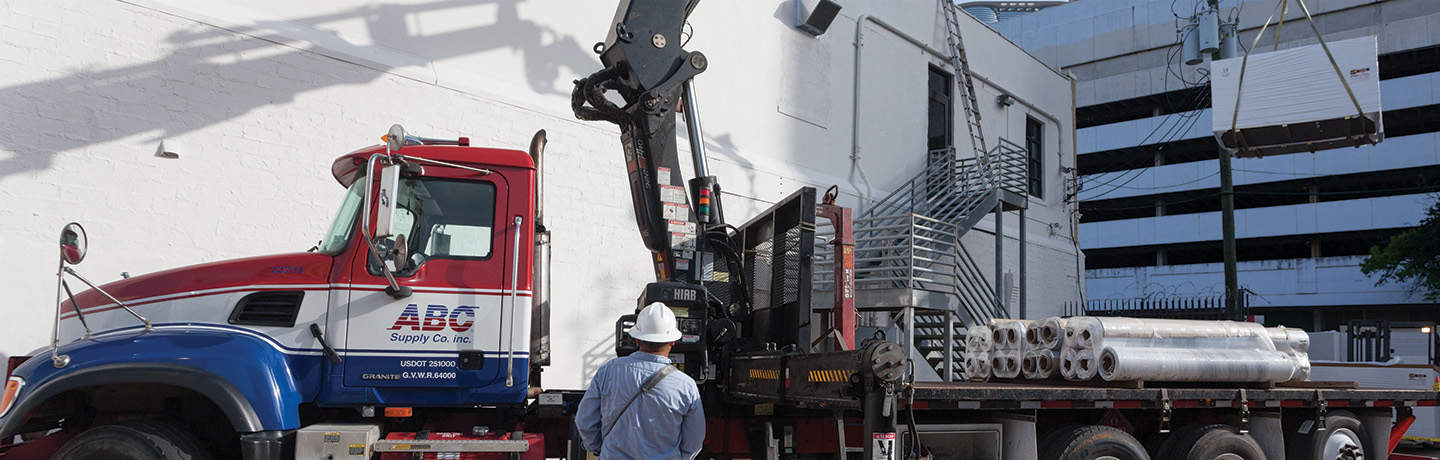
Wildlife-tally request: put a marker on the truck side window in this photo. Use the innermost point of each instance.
(445, 219)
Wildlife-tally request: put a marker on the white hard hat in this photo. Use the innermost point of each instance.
(656, 323)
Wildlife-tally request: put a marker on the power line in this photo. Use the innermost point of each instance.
(1175, 132)
(1181, 117)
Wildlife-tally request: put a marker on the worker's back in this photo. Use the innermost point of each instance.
(666, 422)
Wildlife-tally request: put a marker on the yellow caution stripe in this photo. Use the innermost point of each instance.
(765, 374)
(829, 375)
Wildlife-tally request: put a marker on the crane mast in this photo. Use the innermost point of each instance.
(647, 67)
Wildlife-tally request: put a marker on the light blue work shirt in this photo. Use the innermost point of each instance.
(667, 423)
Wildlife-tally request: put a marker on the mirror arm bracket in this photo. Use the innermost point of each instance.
(395, 289)
(148, 326)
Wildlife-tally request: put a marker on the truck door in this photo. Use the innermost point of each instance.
(452, 334)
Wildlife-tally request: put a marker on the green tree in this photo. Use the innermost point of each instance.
(1411, 256)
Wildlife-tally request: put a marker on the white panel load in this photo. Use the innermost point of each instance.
(1293, 101)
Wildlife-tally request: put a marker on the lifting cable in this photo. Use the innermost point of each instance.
(1282, 6)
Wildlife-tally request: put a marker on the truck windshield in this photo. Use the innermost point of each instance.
(344, 222)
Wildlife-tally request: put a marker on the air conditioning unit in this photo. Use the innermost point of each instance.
(1293, 101)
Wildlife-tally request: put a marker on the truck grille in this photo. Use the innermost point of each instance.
(270, 308)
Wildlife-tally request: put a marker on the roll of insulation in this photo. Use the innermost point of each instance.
(1086, 365)
(1082, 332)
(1047, 362)
(1005, 364)
(1067, 363)
(1171, 333)
(1032, 336)
(977, 366)
(1052, 332)
(1039, 364)
(977, 339)
(1294, 343)
(1029, 366)
(1289, 340)
(1196, 365)
(1008, 333)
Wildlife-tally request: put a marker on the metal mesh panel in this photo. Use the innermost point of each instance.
(761, 273)
(789, 256)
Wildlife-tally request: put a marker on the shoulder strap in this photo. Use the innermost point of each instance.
(649, 384)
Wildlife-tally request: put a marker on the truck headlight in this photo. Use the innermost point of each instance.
(12, 388)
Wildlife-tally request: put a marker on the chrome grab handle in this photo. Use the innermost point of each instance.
(514, 305)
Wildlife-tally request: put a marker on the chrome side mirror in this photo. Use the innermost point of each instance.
(395, 138)
(385, 206)
(72, 243)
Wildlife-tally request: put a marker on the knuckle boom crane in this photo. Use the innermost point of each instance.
(750, 347)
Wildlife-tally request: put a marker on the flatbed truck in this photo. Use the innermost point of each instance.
(419, 327)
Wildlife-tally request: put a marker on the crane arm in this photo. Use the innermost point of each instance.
(646, 67)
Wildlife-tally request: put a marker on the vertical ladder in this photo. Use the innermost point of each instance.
(962, 75)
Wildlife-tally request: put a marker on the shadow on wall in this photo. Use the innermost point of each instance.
(217, 74)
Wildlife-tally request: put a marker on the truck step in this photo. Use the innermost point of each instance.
(451, 445)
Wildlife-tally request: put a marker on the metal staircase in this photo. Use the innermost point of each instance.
(908, 251)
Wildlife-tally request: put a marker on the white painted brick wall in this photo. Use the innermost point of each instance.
(90, 88)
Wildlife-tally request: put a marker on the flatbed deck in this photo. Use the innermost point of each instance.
(1071, 395)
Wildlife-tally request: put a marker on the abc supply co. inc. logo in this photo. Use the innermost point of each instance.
(417, 329)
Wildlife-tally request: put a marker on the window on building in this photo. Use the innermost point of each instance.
(939, 128)
(1035, 148)
(940, 124)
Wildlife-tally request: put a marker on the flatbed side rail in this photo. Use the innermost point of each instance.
(967, 395)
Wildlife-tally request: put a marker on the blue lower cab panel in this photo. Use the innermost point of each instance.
(433, 380)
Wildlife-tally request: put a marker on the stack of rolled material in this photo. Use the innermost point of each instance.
(1042, 353)
(1183, 350)
(977, 353)
(977, 366)
(1296, 344)
(1077, 356)
(1007, 350)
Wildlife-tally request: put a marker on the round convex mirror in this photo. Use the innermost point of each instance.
(395, 139)
(72, 243)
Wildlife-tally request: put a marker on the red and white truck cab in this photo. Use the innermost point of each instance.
(419, 296)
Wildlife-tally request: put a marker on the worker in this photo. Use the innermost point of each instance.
(637, 406)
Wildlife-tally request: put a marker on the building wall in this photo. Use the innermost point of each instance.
(1117, 48)
(259, 97)
(1148, 171)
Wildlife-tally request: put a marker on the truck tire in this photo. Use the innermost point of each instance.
(188, 446)
(1090, 442)
(1210, 442)
(138, 440)
(1342, 430)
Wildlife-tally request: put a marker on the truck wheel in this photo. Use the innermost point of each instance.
(145, 440)
(1090, 442)
(1343, 433)
(1210, 442)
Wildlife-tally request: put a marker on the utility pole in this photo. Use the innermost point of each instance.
(1227, 228)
